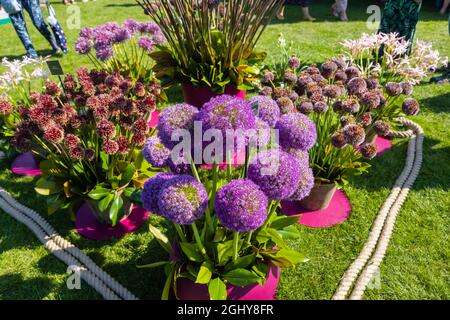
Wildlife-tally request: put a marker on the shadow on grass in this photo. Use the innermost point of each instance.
(41, 53)
(437, 104)
(14, 287)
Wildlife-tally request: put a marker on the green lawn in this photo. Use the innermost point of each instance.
(416, 265)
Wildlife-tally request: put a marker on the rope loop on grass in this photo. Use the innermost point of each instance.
(360, 272)
(101, 281)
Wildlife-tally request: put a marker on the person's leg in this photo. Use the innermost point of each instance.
(341, 7)
(33, 9)
(18, 21)
(445, 6)
(305, 8)
(280, 13)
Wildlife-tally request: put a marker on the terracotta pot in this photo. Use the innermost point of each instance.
(188, 290)
(198, 96)
(320, 196)
(103, 217)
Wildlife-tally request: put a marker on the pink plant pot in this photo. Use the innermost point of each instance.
(188, 290)
(198, 96)
(384, 144)
(154, 119)
(26, 165)
(87, 225)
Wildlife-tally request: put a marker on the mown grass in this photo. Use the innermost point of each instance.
(416, 264)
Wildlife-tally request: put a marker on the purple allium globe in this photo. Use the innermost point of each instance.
(329, 68)
(290, 78)
(352, 72)
(410, 107)
(301, 156)
(266, 109)
(338, 139)
(371, 99)
(372, 83)
(179, 116)
(381, 127)
(320, 107)
(340, 76)
(346, 120)
(241, 206)
(357, 86)
(394, 89)
(365, 119)
(332, 91)
(262, 134)
(354, 134)
(294, 62)
(266, 91)
(155, 152)
(286, 105)
(268, 77)
(182, 200)
(368, 150)
(351, 105)
(151, 190)
(293, 96)
(296, 131)
(275, 172)
(305, 107)
(305, 184)
(407, 88)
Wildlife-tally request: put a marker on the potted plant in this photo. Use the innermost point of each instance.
(229, 240)
(210, 44)
(90, 133)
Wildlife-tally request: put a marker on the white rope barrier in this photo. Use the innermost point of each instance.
(360, 272)
(102, 282)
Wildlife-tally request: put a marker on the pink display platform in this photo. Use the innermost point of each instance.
(154, 119)
(384, 144)
(26, 165)
(87, 225)
(337, 212)
(238, 159)
(188, 290)
(198, 96)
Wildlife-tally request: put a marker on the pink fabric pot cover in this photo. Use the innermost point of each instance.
(89, 227)
(198, 96)
(188, 290)
(384, 144)
(337, 212)
(26, 165)
(154, 119)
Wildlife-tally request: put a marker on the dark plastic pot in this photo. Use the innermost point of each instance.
(188, 290)
(198, 96)
(320, 196)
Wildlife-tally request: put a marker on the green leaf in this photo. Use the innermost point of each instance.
(281, 222)
(224, 252)
(241, 277)
(191, 251)
(161, 238)
(128, 174)
(242, 262)
(290, 232)
(276, 237)
(205, 273)
(166, 290)
(46, 186)
(116, 206)
(154, 264)
(98, 193)
(104, 203)
(217, 289)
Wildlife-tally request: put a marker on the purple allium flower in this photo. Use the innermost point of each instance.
(354, 134)
(340, 76)
(138, 139)
(6, 107)
(146, 43)
(329, 69)
(320, 107)
(338, 139)
(296, 131)
(71, 141)
(357, 86)
(302, 82)
(312, 70)
(290, 78)
(179, 116)
(352, 72)
(305, 184)
(124, 145)
(340, 63)
(286, 105)
(83, 46)
(182, 200)
(106, 129)
(301, 156)
(350, 105)
(54, 134)
(179, 164)
(294, 62)
(139, 89)
(332, 91)
(266, 91)
(241, 206)
(381, 127)
(132, 26)
(372, 83)
(266, 109)
(407, 88)
(293, 96)
(76, 153)
(262, 133)
(394, 89)
(104, 53)
(275, 172)
(371, 99)
(87, 33)
(318, 78)
(110, 147)
(279, 92)
(365, 119)
(312, 88)
(149, 27)
(305, 107)
(268, 77)
(410, 107)
(151, 190)
(122, 35)
(347, 119)
(368, 150)
(141, 126)
(52, 89)
(89, 154)
(155, 152)
(226, 113)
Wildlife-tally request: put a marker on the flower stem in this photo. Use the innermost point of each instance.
(180, 232)
(198, 240)
(235, 246)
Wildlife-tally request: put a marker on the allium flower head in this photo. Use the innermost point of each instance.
(262, 133)
(286, 105)
(290, 78)
(332, 91)
(146, 43)
(180, 116)
(338, 139)
(266, 109)
(141, 127)
(320, 107)
(357, 86)
(410, 107)
(106, 129)
(305, 184)
(381, 127)
(275, 172)
(312, 70)
(329, 69)
(124, 145)
(294, 62)
(296, 131)
(407, 88)
(155, 152)
(104, 53)
(340, 76)
(394, 89)
(368, 150)
(182, 200)
(110, 147)
(347, 119)
(152, 187)
(301, 156)
(89, 154)
(302, 82)
(372, 83)
(54, 134)
(352, 72)
(52, 89)
(351, 105)
(76, 153)
(83, 46)
(337, 106)
(138, 139)
(241, 206)
(293, 96)
(268, 77)
(354, 134)
(371, 99)
(365, 119)
(305, 107)
(266, 91)
(71, 141)
(6, 107)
